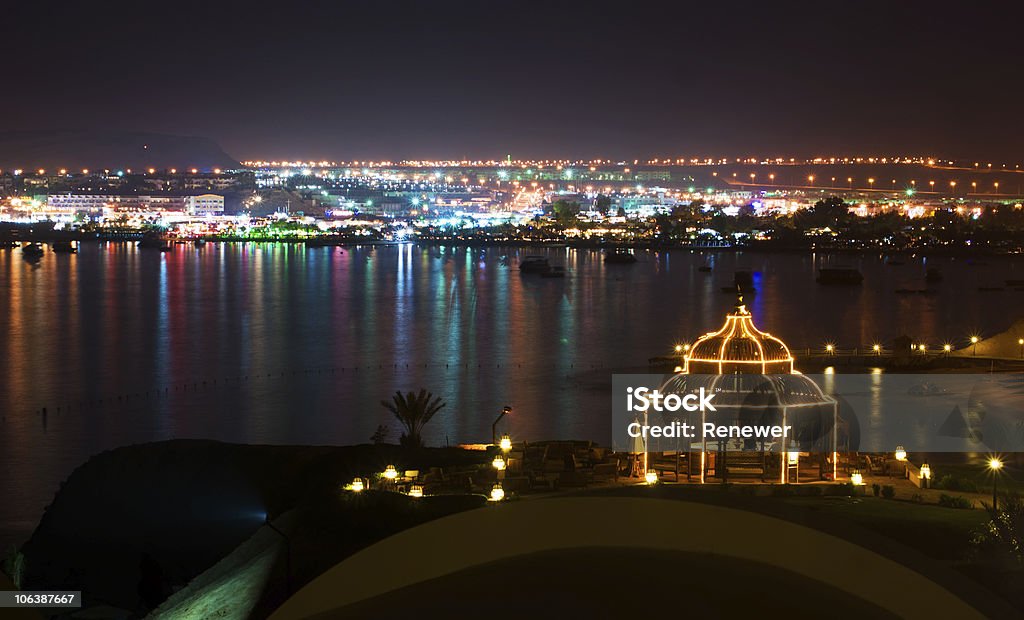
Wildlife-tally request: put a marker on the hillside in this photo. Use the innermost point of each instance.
(74, 150)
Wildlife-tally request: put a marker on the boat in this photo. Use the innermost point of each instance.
(933, 275)
(845, 276)
(32, 250)
(704, 269)
(553, 272)
(199, 242)
(619, 257)
(63, 247)
(534, 264)
(154, 242)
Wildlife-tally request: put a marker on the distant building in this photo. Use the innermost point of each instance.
(204, 204)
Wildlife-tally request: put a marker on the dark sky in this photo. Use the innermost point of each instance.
(372, 80)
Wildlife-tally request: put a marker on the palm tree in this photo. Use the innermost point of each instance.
(413, 412)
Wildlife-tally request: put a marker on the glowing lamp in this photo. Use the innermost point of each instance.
(415, 491)
(679, 348)
(390, 472)
(995, 464)
(901, 453)
(499, 463)
(506, 443)
(830, 348)
(793, 457)
(926, 471)
(497, 493)
(857, 479)
(677, 369)
(356, 486)
(947, 348)
(921, 347)
(1020, 341)
(974, 340)
(651, 477)
(686, 347)
(877, 348)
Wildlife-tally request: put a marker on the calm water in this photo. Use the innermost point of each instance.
(283, 344)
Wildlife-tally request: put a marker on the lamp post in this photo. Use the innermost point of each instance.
(974, 349)
(287, 553)
(494, 427)
(1020, 341)
(994, 465)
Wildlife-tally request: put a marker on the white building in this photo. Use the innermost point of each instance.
(205, 204)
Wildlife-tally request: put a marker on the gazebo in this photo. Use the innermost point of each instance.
(752, 376)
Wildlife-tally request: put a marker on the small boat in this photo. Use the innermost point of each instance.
(933, 275)
(154, 242)
(63, 247)
(199, 242)
(840, 275)
(534, 264)
(553, 272)
(619, 257)
(32, 250)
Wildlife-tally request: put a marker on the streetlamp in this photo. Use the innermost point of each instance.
(499, 463)
(994, 465)
(497, 493)
(878, 349)
(926, 474)
(830, 348)
(901, 453)
(850, 181)
(947, 347)
(651, 477)
(871, 183)
(974, 341)
(506, 443)
(494, 427)
(390, 473)
(810, 179)
(1020, 341)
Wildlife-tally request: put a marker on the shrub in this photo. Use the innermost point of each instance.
(782, 490)
(809, 490)
(954, 501)
(888, 492)
(949, 482)
(875, 488)
(843, 489)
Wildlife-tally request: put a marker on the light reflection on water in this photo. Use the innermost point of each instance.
(323, 335)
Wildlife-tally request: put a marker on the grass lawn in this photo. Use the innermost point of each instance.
(941, 533)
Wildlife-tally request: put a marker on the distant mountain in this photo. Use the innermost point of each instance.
(74, 150)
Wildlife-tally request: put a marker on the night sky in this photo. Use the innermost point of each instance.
(375, 80)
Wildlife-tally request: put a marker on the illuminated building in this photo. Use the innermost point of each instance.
(752, 376)
(204, 204)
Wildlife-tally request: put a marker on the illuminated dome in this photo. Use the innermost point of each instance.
(738, 347)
